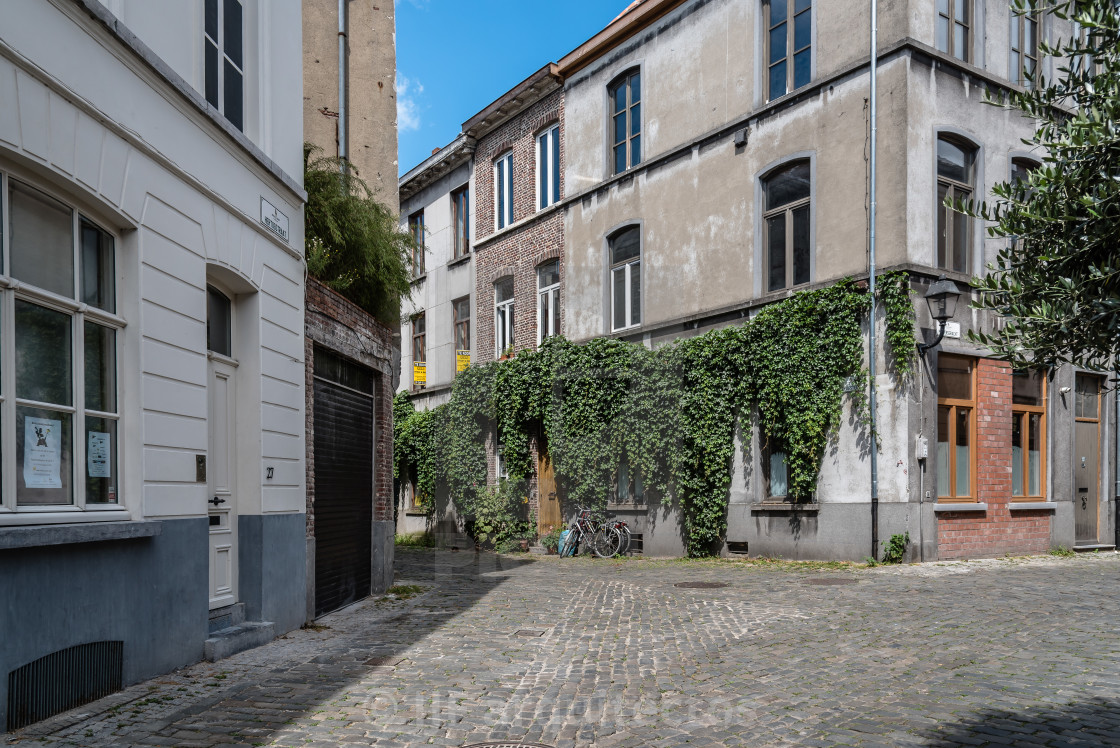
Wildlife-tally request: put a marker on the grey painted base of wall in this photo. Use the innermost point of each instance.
(151, 593)
(272, 568)
(381, 577)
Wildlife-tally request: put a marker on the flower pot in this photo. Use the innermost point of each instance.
(523, 545)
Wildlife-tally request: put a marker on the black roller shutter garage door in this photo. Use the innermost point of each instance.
(343, 481)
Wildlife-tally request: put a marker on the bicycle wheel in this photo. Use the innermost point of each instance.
(606, 543)
(624, 539)
(571, 542)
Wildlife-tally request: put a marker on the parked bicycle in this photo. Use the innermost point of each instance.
(603, 538)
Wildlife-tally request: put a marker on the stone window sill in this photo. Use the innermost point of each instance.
(85, 532)
(785, 506)
(1033, 506)
(628, 507)
(963, 507)
(460, 260)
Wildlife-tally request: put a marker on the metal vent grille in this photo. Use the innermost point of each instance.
(63, 680)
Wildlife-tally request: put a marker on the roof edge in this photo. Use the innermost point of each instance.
(630, 22)
(485, 121)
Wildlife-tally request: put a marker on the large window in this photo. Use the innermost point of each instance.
(1024, 47)
(1028, 434)
(225, 71)
(420, 350)
(956, 428)
(626, 278)
(548, 300)
(626, 121)
(628, 487)
(503, 190)
(789, 32)
(775, 470)
(954, 28)
(503, 317)
(956, 174)
(548, 167)
(58, 356)
(460, 221)
(416, 228)
(786, 226)
(462, 313)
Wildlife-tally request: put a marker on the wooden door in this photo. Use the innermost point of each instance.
(548, 516)
(222, 508)
(1086, 459)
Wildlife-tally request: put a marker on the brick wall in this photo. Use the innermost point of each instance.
(997, 531)
(335, 323)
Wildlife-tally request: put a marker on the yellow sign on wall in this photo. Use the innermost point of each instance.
(462, 360)
(419, 373)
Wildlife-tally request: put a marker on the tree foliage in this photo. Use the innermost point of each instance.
(1056, 284)
(354, 244)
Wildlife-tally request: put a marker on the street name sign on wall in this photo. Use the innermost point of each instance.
(274, 220)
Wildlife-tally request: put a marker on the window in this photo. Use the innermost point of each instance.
(548, 300)
(954, 28)
(956, 428)
(1021, 169)
(955, 176)
(628, 485)
(58, 367)
(548, 167)
(225, 73)
(416, 228)
(462, 313)
(626, 278)
(503, 317)
(626, 121)
(789, 31)
(219, 322)
(461, 221)
(503, 190)
(786, 194)
(1028, 434)
(419, 349)
(775, 470)
(1024, 47)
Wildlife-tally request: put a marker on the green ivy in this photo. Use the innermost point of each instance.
(671, 413)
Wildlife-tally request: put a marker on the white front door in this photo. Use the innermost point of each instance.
(222, 501)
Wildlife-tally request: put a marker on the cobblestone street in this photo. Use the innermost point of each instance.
(583, 652)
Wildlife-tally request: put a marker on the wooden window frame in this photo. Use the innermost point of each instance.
(1024, 413)
(633, 149)
(791, 50)
(950, 16)
(461, 221)
(419, 342)
(955, 189)
(1017, 70)
(416, 228)
(954, 404)
(460, 322)
(788, 209)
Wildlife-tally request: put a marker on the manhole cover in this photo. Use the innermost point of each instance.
(701, 585)
(829, 582)
(507, 745)
(385, 661)
(522, 632)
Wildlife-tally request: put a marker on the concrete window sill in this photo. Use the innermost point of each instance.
(784, 506)
(960, 507)
(460, 260)
(86, 532)
(1032, 506)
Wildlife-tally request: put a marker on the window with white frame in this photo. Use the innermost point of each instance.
(503, 190)
(503, 317)
(58, 357)
(222, 54)
(548, 300)
(548, 167)
(626, 278)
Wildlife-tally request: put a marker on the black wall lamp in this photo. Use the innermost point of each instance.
(941, 298)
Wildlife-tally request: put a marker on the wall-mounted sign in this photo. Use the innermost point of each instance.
(462, 361)
(274, 220)
(953, 330)
(420, 374)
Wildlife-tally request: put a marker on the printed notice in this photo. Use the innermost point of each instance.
(42, 453)
(97, 454)
(462, 361)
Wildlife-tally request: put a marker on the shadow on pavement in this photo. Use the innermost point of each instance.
(1082, 723)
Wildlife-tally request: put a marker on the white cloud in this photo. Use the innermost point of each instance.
(408, 109)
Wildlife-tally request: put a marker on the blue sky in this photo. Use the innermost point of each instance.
(456, 56)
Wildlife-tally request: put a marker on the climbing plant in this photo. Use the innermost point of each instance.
(671, 414)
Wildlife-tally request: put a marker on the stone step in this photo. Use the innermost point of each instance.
(234, 639)
(224, 618)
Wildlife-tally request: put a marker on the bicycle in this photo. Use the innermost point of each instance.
(604, 539)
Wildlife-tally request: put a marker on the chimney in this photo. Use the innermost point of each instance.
(436, 150)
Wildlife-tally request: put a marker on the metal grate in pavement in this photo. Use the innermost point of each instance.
(522, 632)
(701, 585)
(507, 745)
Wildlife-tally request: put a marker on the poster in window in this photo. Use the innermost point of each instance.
(42, 453)
(420, 374)
(462, 361)
(97, 454)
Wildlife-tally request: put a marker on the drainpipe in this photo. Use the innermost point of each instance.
(342, 34)
(871, 286)
(1116, 467)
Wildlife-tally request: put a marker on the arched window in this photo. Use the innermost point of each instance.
(786, 228)
(956, 178)
(626, 121)
(626, 278)
(503, 316)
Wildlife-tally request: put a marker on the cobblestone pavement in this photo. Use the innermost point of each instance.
(579, 652)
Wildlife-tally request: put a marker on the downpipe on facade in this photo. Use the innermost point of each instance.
(871, 287)
(343, 33)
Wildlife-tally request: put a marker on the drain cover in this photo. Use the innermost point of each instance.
(385, 661)
(523, 632)
(700, 585)
(829, 581)
(507, 745)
